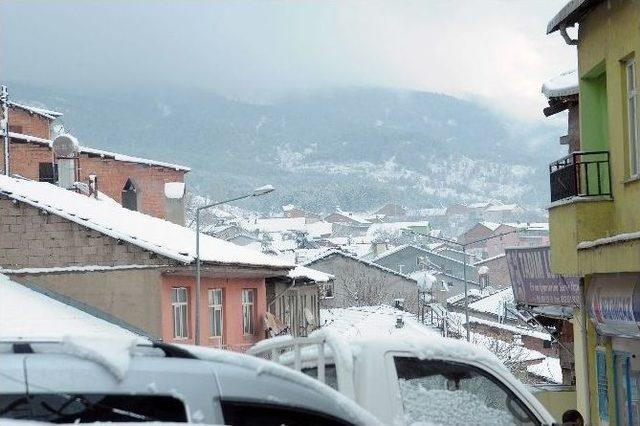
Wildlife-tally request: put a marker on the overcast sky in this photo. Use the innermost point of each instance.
(495, 51)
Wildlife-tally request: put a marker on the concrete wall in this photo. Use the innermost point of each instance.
(31, 239)
(375, 285)
(131, 295)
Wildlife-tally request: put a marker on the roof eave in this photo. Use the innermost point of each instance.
(571, 14)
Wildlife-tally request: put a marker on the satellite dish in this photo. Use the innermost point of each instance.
(65, 145)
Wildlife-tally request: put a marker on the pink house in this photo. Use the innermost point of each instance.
(132, 266)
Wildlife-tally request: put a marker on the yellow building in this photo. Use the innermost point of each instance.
(594, 216)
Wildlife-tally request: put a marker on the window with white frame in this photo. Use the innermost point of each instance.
(179, 312)
(632, 118)
(215, 312)
(328, 290)
(247, 310)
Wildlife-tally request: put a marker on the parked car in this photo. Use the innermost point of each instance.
(405, 380)
(86, 381)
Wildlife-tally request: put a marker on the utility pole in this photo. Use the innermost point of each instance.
(4, 101)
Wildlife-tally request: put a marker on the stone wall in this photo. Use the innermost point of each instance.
(30, 238)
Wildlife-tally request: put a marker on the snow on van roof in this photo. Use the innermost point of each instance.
(102, 153)
(565, 84)
(150, 233)
(29, 314)
(261, 366)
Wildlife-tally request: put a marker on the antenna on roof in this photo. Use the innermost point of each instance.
(4, 126)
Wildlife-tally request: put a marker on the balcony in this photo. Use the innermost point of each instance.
(580, 174)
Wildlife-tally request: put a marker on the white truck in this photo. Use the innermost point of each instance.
(413, 380)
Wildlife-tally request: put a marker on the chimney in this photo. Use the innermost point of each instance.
(93, 185)
(65, 151)
(174, 202)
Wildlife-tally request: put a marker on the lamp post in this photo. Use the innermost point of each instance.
(464, 266)
(256, 193)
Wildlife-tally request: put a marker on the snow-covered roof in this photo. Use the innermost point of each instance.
(102, 153)
(319, 229)
(493, 304)
(549, 368)
(371, 321)
(570, 14)
(489, 259)
(502, 207)
(490, 225)
(393, 227)
(341, 253)
(431, 253)
(354, 216)
(150, 233)
(28, 314)
(566, 84)
(280, 224)
(310, 274)
(46, 113)
(512, 328)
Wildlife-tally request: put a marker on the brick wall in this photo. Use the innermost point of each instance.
(31, 239)
(112, 174)
(149, 181)
(21, 121)
(25, 158)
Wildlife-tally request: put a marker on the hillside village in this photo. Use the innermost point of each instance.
(114, 236)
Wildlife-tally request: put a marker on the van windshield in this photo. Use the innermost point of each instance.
(88, 408)
(451, 393)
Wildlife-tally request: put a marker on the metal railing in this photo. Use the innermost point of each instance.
(580, 174)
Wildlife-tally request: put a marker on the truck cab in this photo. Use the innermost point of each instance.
(403, 380)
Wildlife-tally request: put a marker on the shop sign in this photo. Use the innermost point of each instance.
(613, 301)
(533, 282)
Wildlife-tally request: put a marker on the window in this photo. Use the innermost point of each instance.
(179, 311)
(90, 408)
(428, 387)
(328, 290)
(241, 413)
(215, 312)
(247, 311)
(47, 172)
(130, 195)
(632, 117)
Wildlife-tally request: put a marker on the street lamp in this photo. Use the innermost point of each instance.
(464, 265)
(256, 193)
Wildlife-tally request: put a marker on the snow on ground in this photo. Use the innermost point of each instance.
(371, 321)
(27, 314)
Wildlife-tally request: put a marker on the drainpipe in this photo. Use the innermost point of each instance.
(584, 401)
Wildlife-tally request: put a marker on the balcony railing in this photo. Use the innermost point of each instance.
(580, 174)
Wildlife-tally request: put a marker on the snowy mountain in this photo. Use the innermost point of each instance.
(349, 147)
